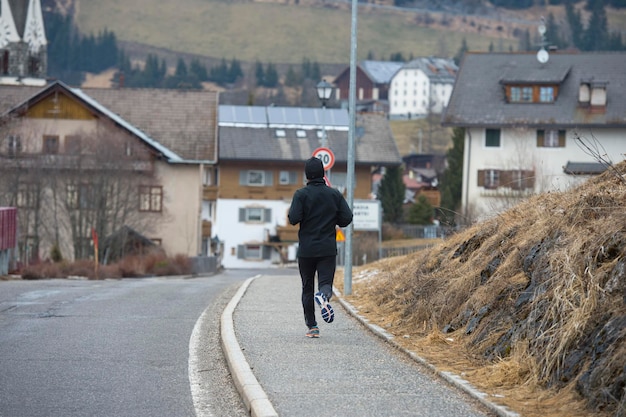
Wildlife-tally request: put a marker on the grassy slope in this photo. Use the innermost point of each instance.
(533, 298)
(272, 32)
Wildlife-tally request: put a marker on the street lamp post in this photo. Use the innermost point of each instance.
(324, 91)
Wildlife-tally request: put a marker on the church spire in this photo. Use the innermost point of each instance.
(8, 31)
(34, 33)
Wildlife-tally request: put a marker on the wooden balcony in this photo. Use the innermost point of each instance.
(209, 192)
(287, 233)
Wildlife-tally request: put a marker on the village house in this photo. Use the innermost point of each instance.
(535, 123)
(421, 87)
(77, 162)
(261, 164)
(372, 85)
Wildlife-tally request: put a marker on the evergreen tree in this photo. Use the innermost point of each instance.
(596, 37)
(452, 179)
(219, 73)
(260, 74)
(234, 71)
(181, 68)
(421, 212)
(553, 36)
(459, 55)
(198, 70)
(391, 193)
(316, 73)
(396, 57)
(271, 76)
(291, 78)
(575, 25)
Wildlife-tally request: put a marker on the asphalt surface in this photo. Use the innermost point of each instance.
(353, 369)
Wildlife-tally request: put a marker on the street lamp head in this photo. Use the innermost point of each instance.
(324, 91)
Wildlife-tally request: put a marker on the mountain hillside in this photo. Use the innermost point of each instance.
(529, 306)
(285, 32)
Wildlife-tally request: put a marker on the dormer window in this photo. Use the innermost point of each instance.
(546, 94)
(531, 93)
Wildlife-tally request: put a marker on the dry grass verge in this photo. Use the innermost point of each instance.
(152, 264)
(529, 306)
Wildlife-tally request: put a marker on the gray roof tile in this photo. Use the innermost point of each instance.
(182, 120)
(374, 145)
(478, 95)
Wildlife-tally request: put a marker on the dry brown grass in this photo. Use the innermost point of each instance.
(151, 264)
(529, 306)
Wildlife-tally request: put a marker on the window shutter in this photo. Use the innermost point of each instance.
(561, 138)
(269, 178)
(540, 136)
(293, 177)
(242, 215)
(506, 179)
(529, 179)
(267, 215)
(243, 177)
(240, 251)
(481, 177)
(266, 252)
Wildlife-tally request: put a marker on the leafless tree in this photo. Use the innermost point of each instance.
(70, 186)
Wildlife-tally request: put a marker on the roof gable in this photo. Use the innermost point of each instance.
(176, 124)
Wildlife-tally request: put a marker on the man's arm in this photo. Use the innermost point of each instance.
(344, 214)
(295, 210)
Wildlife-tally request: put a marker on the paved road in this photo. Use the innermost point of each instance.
(115, 347)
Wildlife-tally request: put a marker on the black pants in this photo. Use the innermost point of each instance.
(325, 267)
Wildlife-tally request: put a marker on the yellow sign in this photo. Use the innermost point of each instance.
(340, 236)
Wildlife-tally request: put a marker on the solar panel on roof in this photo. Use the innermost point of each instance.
(309, 117)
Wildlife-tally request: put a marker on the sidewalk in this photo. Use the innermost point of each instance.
(348, 371)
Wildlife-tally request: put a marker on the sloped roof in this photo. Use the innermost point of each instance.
(440, 70)
(182, 125)
(374, 142)
(478, 96)
(183, 121)
(380, 72)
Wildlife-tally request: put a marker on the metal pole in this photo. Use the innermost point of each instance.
(324, 141)
(347, 278)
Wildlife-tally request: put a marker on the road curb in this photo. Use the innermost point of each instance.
(251, 392)
(451, 378)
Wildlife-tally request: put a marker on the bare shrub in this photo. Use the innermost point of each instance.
(392, 232)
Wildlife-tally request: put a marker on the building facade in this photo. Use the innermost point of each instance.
(75, 162)
(421, 87)
(262, 151)
(534, 125)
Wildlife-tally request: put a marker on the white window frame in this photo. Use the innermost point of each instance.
(283, 177)
(255, 214)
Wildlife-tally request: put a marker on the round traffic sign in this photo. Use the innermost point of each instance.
(326, 156)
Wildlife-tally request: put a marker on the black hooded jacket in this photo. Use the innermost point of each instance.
(318, 208)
